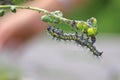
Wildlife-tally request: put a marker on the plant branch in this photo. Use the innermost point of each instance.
(86, 27)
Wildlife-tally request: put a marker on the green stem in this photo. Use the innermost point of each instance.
(24, 7)
(64, 20)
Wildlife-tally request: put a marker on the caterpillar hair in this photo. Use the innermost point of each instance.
(59, 34)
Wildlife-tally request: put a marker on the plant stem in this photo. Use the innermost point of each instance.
(64, 20)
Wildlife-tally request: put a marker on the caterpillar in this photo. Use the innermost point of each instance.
(59, 34)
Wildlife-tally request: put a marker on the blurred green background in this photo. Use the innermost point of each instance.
(107, 13)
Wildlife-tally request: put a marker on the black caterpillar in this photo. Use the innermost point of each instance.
(59, 34)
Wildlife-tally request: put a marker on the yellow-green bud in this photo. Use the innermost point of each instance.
(82, 26)
(92, 31)
(92, 22)
(79, 25)
(95, 21)
(85, 27)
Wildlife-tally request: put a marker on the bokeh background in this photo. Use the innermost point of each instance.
(49, 59)
(107, 13)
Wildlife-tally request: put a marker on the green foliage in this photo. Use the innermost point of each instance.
(107, 13)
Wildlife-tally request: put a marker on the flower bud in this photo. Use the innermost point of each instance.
(92, 31)
(82, 26)
(92, 21)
